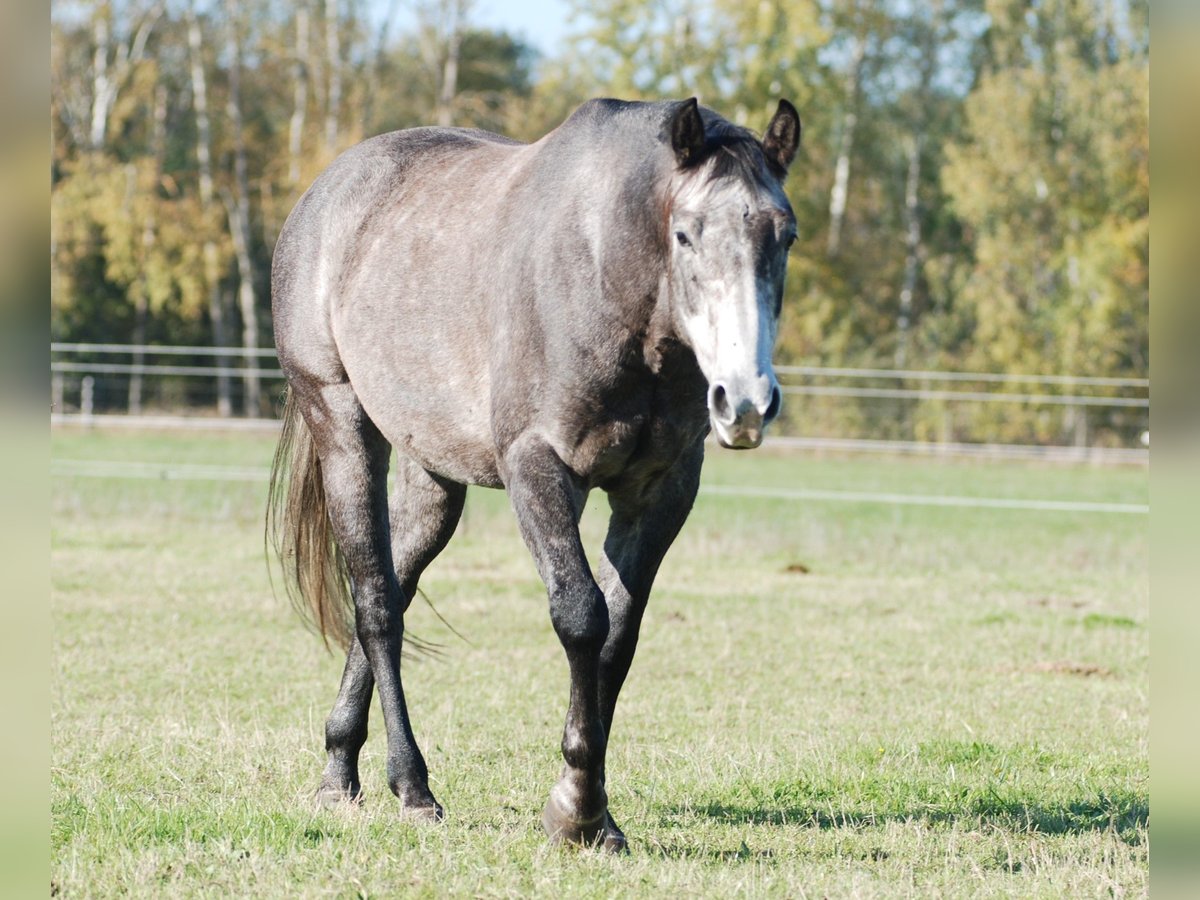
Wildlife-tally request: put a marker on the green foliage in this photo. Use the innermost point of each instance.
(121, 240)
(1051, 178)
(1019, 239)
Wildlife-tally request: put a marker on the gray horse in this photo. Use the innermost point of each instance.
(549, 318)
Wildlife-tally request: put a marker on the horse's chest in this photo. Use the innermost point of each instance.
(636, 450)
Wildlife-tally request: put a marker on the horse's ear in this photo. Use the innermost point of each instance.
(782, 137)
(687, 133)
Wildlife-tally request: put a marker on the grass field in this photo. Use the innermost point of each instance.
(829, 699)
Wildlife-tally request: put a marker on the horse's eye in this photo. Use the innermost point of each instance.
(791, 241)
(683, 239)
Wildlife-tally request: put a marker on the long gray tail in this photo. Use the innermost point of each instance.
(297, 526)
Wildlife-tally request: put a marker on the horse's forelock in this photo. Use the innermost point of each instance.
(730, 151)
(732, 155)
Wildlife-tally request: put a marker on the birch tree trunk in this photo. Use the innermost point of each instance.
(212, 265)
(451, 17)
(930, 39)
(333, 56)
(101, 84)
(374, 71)
(840, 191)
(149, 242)
(238, 209)
(107, 79)
(912, 249)
(299, 96)
(449, 85)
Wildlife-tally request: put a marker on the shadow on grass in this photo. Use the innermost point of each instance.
(1127, 815)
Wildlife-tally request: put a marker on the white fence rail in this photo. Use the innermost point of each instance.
(159, 471)
(92, 384)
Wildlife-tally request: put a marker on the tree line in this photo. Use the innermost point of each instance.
(972, 191)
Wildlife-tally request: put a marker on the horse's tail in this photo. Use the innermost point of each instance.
(297, 526)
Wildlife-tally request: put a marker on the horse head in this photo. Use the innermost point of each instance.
(730, 228)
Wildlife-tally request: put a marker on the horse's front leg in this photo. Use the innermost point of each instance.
(643, 525)
(548, 503)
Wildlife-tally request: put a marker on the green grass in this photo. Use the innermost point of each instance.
(829, 699)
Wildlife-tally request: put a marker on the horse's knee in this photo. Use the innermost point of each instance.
(580, 619)
(584, 745)
(345, 729)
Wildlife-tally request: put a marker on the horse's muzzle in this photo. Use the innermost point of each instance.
(739, 423)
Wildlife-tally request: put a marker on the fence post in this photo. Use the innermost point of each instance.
(1081, 427)
(87, 398)
(56, 393)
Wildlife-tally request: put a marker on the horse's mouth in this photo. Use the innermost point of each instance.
(738, 437)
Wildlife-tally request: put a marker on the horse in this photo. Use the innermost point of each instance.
(548, 318)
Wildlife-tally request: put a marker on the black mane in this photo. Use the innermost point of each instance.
(733, 150)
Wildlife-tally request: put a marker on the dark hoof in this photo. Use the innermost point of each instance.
(600, 833)
(418, 805)
(422, 815)
(614, 837)
(339, 797)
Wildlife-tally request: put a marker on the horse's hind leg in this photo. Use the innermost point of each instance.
(354, 465)
(424, 511)
(346, 730)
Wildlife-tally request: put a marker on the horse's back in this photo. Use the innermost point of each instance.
(383, 181)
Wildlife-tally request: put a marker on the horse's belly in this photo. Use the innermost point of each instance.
(422, 383)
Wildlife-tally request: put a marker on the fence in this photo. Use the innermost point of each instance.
(1047, 417)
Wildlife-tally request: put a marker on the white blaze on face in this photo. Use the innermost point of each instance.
(725, 309)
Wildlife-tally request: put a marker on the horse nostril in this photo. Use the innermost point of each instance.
(776, 403)
(718, 403)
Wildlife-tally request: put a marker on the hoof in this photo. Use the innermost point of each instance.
(614, 837)
(339, 797)
(422, 815)
(417, 804)
(600, 833)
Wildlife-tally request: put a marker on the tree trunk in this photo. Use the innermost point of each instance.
(449, 86)
(212, 266)
(247, 300)
(238, 210)
(840, 191)
(101, 83)
(929, 39)
(374, 67)
(299, 96)
(333, 55)
(137, 292)
(107, 79)
(149, 241)
(912, 250)
(451, 26)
